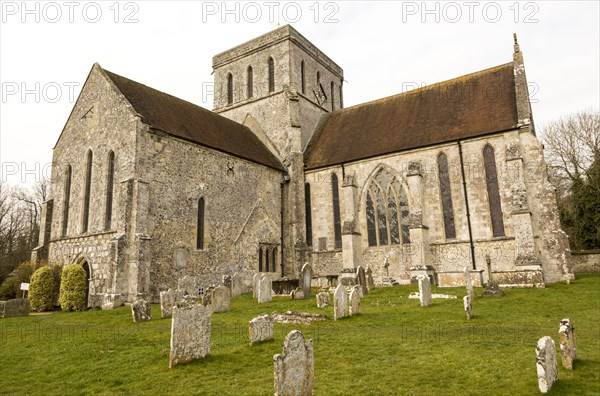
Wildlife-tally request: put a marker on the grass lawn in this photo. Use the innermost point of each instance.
(394, 347)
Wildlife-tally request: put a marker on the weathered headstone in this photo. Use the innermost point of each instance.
(190, 332)
(297, 294)
(568, 347)
(14, 307)
(260, 329)
(237, 285)
(546, 365)
(188, 286)
(424, 290)
(323, 299)
(340, 303)
(255, 280)
(168, 299)
(264, 290)
(227, 281)
(294, 368)
(306, 277)
(140, 310)
(362, 280)
(468, 307)
(468, 283)
(355, 300)
(221, 299)
(370, 282)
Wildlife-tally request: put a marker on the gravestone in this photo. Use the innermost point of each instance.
(362, 280)
(294, 368)
(424, 290)
(190, 332)
(568, 348)
(189, 286)
(264, 290)
(323, 299)
(227, 281)
(260, 329)
(140, 310)
(237, 285)
(546, 365)
(340, 303)
(468, 307)
(297, 294)
(221, 299)
(370, 282)
(355, 300)
(168, 299)
(14, 307)
(255, 280)
(306, 276)
(468, 283)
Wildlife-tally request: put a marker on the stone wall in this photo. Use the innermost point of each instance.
(586, 261)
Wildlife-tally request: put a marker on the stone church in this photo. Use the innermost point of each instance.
(147, 188)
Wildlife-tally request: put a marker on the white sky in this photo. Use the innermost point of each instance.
(384, 47)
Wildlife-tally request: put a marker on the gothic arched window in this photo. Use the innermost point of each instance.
(67, 199)
(250, 83)
(87, 192)
(308, 209)
(110, 179)
(446, 194)
(302, 78)
(200, 225)
(332, 97)
(274, 259)
(229, 88)
(491, 179)
(387, 211)
(318, 78)
(337, 224)
(260, 259)
(271, 75)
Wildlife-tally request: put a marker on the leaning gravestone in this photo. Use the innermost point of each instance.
(306, 276)
(168, 299)
(424, 290)
(340, 303)
(14, 307)
(140, 310)
(294, 369)
(323, 299)
(237, 285)
(370, 282)
(264, 290)
(362, 280)
(468, 307)
(260, 329)
(547, 368)
(355, 300)
(221, 299)
(190, 332)
(568, 348)
(468, 283)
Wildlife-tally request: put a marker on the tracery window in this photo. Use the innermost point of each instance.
(337, 224)
(446, 194)
(491, 179)
(387, 211)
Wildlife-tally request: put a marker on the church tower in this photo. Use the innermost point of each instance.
(280, 85)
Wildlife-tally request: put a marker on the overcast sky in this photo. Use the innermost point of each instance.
(384, 47)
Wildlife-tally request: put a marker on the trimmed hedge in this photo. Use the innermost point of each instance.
(41, 289)
(72, 288)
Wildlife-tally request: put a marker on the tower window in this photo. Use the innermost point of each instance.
(200, 225)
(337, 225)
(332, 96)
(491, 179)
(87, 193)
(67, 199)
(271, 75)
(446, 194)
(109, 190)
(318, 78)
(229, 88)
(250, 83)
(302, 79)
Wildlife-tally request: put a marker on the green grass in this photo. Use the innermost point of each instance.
(394, 347)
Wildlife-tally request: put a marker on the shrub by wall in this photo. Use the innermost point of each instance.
(72, 288)
(7, 289)
(41, 289)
